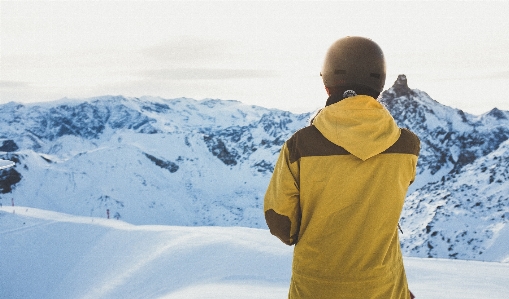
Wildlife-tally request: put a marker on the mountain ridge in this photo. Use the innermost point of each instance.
(186, 162)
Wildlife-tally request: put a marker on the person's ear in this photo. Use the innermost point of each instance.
(327, 90)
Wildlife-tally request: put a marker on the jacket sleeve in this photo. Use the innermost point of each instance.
(416, 150)
(282, 199)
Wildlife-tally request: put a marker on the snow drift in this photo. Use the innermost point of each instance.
(50, 255)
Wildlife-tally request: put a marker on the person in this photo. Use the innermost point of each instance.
(339, 184)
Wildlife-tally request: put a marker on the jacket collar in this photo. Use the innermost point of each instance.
(333, 99)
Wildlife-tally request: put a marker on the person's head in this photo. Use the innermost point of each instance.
(354, 63)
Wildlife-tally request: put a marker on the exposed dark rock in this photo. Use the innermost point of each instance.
(497, 114)
(218, 148)
(168, 165)
(9, 146)
(400, 87)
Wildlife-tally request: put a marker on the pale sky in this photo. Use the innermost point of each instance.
(263, 53)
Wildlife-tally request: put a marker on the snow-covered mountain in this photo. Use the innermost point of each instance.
(458, 207)
(186, 162)
(147, 161)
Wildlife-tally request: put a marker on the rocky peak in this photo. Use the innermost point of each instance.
(497, 114)
(400, 86)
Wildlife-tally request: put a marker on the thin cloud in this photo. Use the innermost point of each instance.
(207, 74)
(186, 49)
(499, 75)
(472, 75)
(5, 84)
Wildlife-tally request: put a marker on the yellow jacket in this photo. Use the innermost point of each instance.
(337, 192)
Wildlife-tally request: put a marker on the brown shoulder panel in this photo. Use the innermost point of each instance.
(280, 226)
(310, 142)
(408, 143)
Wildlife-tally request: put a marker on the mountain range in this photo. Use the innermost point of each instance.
(186, 162)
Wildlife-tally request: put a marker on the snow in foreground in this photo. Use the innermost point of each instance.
(52, 255)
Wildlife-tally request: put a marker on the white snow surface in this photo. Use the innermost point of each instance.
(444, 218)
(53, 255)
(6, 164)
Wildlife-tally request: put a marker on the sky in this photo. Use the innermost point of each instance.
(266, 53)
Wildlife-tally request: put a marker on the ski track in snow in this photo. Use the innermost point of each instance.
(54, 255)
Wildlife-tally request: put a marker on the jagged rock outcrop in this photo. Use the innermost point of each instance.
(400, 87)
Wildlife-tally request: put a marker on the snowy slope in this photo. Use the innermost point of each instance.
(187, 162)
(464, 215)
(458, 207)
(53, 255)
(146, 160)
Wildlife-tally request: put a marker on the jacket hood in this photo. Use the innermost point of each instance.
(360, 125)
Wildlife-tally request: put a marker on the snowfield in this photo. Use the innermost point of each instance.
(53, 255)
